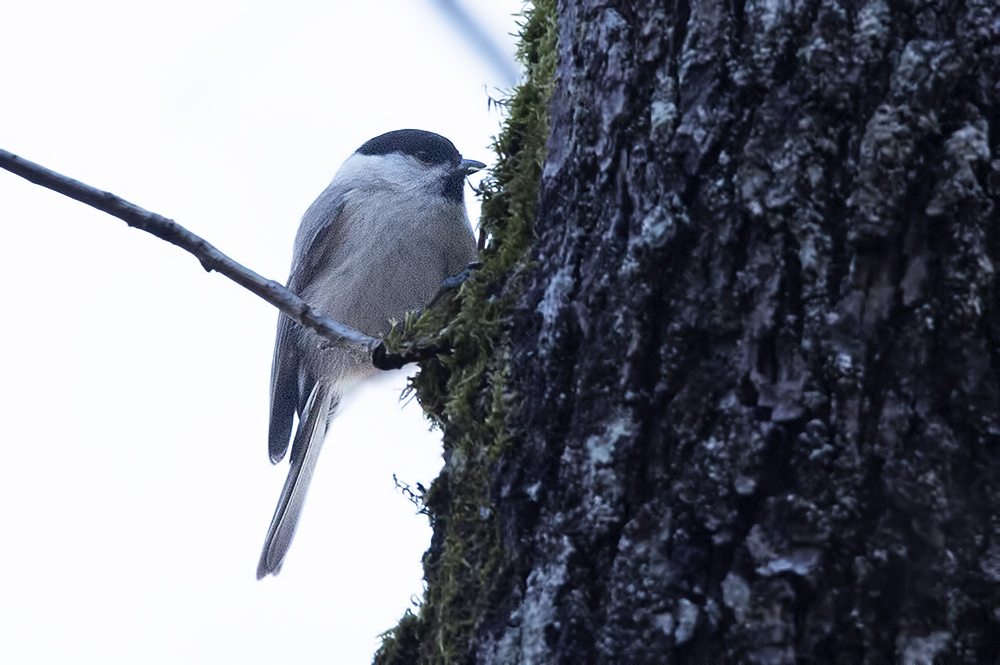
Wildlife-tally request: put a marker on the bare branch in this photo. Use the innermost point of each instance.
(211, 258)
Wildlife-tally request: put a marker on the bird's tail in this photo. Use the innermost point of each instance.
(322, 403)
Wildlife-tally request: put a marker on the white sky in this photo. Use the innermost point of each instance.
(135, 489)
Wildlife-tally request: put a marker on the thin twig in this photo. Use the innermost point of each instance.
(211, 258)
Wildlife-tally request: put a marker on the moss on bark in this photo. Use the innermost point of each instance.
(463, 389)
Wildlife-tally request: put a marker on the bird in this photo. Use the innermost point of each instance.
(378, 242)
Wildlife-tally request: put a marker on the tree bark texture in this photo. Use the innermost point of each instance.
(756, 358)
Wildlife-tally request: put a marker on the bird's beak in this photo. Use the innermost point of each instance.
(470, 166)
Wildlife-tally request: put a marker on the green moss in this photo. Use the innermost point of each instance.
(463, 390)
(399, 642)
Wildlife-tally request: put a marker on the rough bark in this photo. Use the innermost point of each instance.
(755, 353)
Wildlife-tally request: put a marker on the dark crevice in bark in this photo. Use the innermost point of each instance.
(681, 14)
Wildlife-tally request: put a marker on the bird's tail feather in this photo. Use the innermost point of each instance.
(305, 451)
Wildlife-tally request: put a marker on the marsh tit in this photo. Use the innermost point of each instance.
(378, 242)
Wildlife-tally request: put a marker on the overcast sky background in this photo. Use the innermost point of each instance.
(135, 489)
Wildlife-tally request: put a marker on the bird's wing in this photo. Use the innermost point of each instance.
(320, 226)
(320, 231)
(323, 401)
(284, 390)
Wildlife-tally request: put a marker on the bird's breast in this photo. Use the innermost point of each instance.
(390, 259)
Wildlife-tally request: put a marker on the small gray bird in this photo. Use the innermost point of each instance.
(378, 242)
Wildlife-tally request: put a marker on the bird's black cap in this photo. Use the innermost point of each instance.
(428, 147)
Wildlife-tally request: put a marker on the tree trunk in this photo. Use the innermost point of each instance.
(749, 377)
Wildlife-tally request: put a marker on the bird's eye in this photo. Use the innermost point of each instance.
(425, 157)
